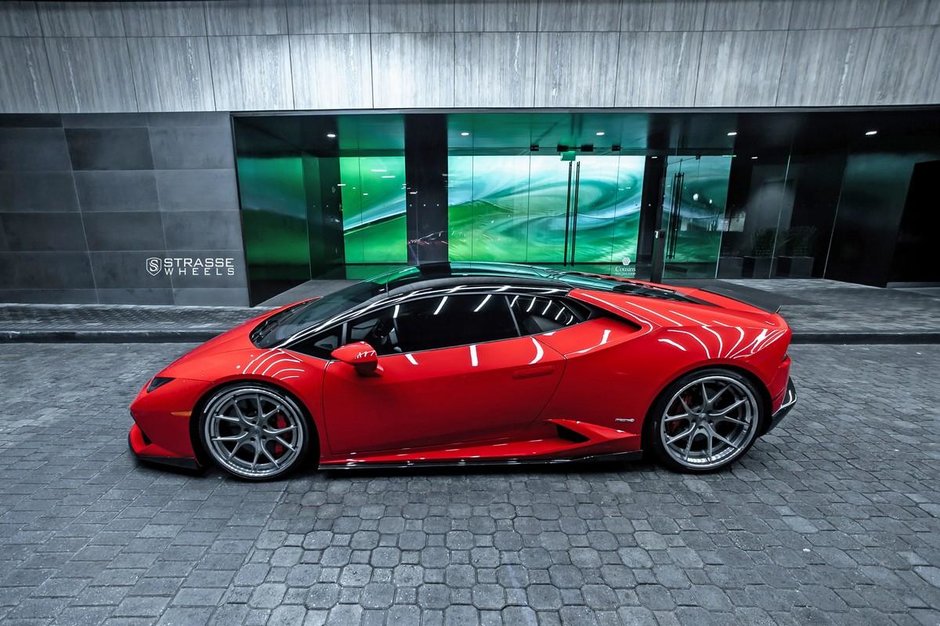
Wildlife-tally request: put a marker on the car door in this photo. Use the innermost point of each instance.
(452, 369)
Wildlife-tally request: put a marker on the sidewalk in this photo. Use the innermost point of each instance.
(819, 311)
(118, 323)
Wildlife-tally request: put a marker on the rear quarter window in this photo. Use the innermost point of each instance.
(538, 314)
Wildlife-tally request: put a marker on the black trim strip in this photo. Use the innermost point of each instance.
(788, 401)
(181, 463)
(187, 464)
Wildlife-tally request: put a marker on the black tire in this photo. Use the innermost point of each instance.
(696, 453)
(240, 444)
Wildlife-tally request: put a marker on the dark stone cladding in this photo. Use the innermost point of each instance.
(86, 199)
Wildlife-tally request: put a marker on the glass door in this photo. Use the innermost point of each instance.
(606, 213)
(694, 199)
(552, 194)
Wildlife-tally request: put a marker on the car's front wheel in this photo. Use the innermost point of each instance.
(705, 420)
(254, 432)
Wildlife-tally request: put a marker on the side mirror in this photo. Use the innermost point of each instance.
(360, 355)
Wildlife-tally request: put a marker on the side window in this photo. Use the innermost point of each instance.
(453, 320)
(541, 315)
(376, 329)
(321, 345)
(422, 324)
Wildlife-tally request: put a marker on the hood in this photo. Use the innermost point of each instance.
(191, 364)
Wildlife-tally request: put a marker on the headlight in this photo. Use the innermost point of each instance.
(157, 382)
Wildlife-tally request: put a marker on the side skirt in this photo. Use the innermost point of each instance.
(599, 458)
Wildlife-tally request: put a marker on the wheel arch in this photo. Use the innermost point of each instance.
(202, 455)
(763, 393)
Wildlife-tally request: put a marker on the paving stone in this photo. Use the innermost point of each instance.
(287, 616)
(267, 596)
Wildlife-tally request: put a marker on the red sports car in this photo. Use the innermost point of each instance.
(482, 363)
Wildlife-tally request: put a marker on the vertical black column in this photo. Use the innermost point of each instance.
(651, 218)
(426, 180)
(920, 223)
(324, 216)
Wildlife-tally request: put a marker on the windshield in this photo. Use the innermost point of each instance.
(286, 324)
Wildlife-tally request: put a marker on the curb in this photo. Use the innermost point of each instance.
(108, 336)
(861, 339)
(199, 336)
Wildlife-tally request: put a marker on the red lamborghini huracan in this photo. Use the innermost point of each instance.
(460, 364)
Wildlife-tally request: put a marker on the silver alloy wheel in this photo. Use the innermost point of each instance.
(254, 432)
(709, 422)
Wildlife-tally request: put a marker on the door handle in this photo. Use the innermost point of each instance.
(534, 372)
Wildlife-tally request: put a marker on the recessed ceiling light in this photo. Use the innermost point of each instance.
(733, 133)
(599, 133)
(871, 132)
(388, 176)
(464, 134)
(753, 158)
(654, 157)
(331, 135)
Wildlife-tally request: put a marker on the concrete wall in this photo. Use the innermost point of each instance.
(234, 55)
(85, 200)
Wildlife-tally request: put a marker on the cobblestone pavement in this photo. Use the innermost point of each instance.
(831, 518)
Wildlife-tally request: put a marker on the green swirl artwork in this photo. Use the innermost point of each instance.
(512, 208)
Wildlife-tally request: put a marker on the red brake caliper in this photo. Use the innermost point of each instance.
(279, 422)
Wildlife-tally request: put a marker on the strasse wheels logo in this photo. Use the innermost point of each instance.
(153, 265)
(190, 266)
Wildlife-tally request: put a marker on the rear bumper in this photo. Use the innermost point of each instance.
(789, 399)
(152, 453)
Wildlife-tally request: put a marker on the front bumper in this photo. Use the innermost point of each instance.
(789, 399)
(152, 453)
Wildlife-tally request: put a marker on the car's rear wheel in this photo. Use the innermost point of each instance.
(705, 420)
(254, 432)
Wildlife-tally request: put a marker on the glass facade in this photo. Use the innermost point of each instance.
(732, 195)
(274, 216)
(373, 196)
